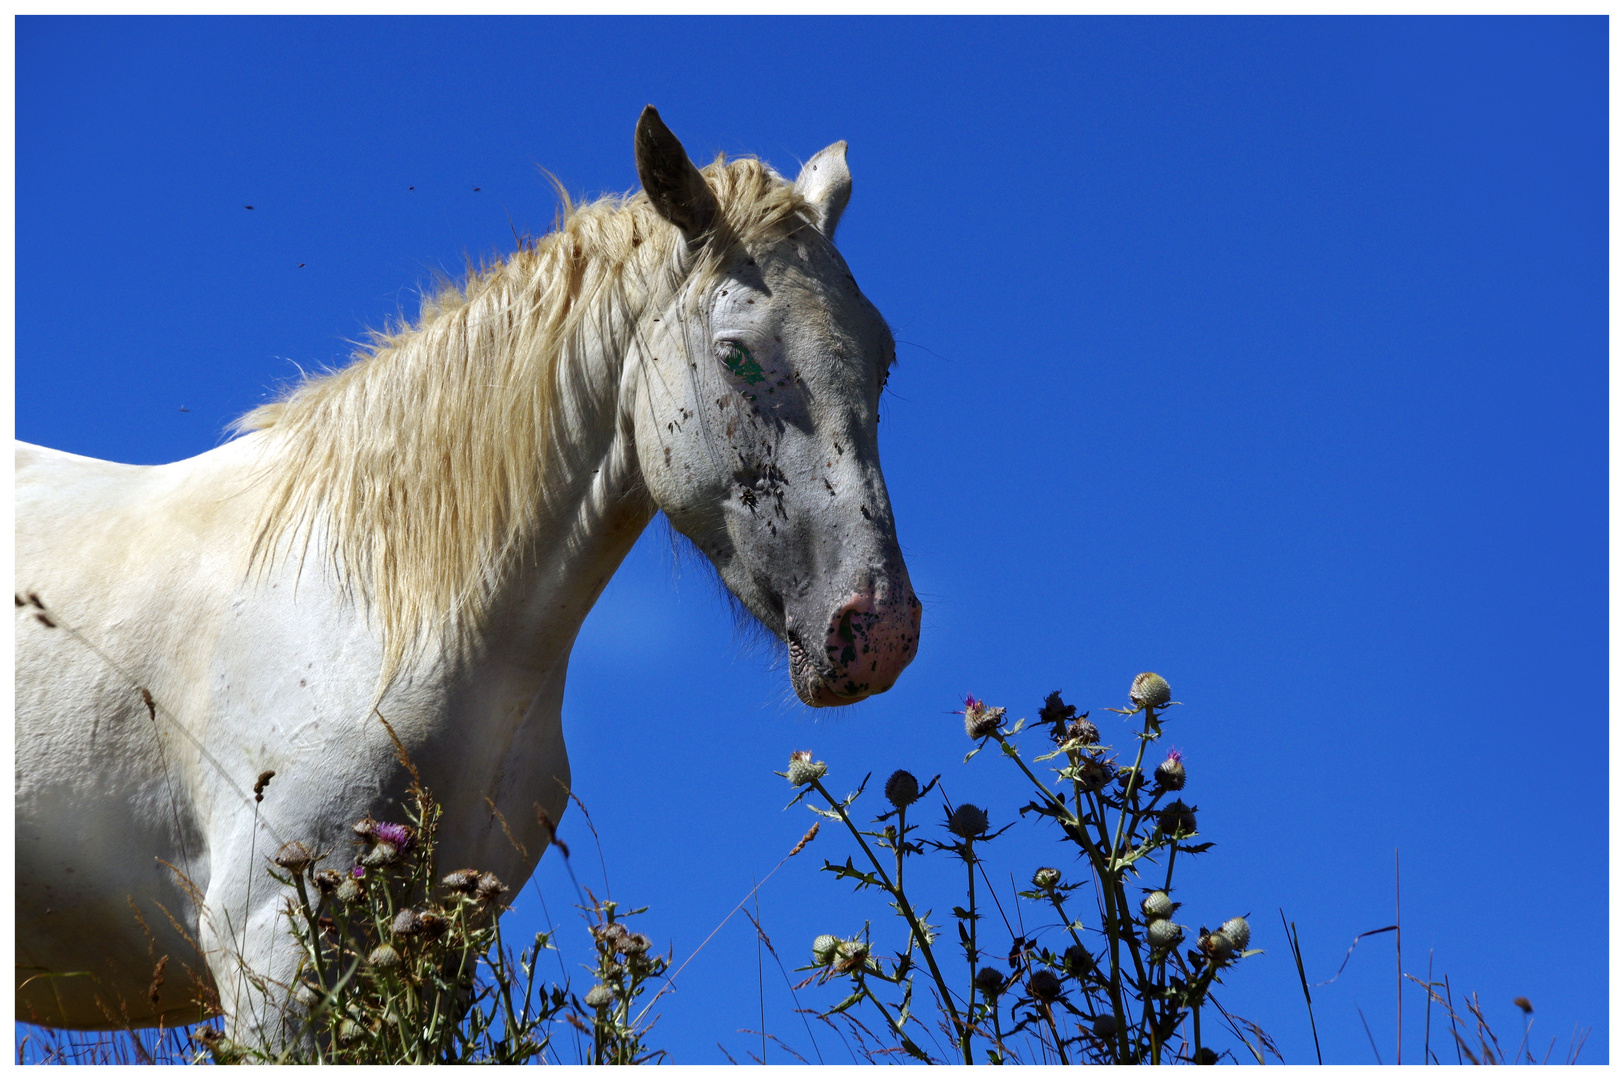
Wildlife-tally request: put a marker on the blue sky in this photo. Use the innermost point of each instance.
(1270, 355)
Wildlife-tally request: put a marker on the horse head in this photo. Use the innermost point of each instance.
(757, 418)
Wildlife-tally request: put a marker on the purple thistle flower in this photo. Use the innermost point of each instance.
(1175, 754)
(390, 833)
(358, 871)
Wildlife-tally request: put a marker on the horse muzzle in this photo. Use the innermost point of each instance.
(867, 642)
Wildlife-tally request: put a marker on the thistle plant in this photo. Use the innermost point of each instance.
(1117, 992)
(399, 966)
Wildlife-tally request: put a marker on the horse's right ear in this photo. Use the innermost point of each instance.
(674, 186)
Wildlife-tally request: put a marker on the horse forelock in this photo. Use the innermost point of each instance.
(427, 463)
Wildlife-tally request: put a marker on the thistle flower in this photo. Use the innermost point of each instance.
(384, 957)
(1083, 729)
(990, 981)
(850, 955)
(600, 997)
(388, 832)
(1150, 691)
(1238, 932)
(1170, 773)
(823, 948)
(1163, 934)
(968, 821)
(979, 720)
(1045, 878)
(902, 789)
(1043, 985)
(294, 856)
(1157, 905)
(803, 770)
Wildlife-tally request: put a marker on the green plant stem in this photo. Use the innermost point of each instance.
(974, 953)
(1135, 780)
(902, 902)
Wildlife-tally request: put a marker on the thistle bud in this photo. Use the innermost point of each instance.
(968, 821)
(1218, 946)
(823, 948)
(1150, 691)
(1176, 819)
(600, 997)
(1043, 985)
(384, 957)
(990, 981)
(902, 789)
(294, 856)
(1170, 773)
(348, 891)
(1163, 934)
(1077, 961)
(1046, 878)
(979, 720)
(1238, 932)
(1091, 774)
(1157, 905)
(382, 854)
(1104, 1026)
(803, 770)
(1083, 729)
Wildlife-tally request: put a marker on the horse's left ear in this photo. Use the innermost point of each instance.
(825, 182)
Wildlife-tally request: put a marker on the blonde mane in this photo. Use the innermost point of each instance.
(428, 460)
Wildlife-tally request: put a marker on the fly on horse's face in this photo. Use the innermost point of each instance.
(757, 431)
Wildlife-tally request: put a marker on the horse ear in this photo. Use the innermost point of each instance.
(674, 186)
(825, 182)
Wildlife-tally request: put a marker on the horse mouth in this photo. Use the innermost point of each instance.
(819, 689)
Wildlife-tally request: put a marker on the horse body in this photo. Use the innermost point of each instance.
(381, 558)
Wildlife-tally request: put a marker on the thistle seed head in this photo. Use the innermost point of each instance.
(968, 821)
(1104, 1026)
(902, 789)
(326, 880)
(1044, 985)
(823, 948)
(599, 998)
(1163, 934)
(463, 881)
(1091, 774)
(1077, 960)
(635, 944)
(1083, 728)
(1176, 819)
(850, 955)
(1150, 691)
(1170, 773)
(407, 923)
(364, 828)
(1056, 713)
(384, 957)
(803, 770)
(608, 933)
(1238, 932)
(990, 981)
(489, 887)
(348, 891)
(1157, 905)
(431, 925)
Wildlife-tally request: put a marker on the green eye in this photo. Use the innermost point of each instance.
(737, 359)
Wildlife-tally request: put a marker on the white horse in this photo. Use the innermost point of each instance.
(418, 537)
